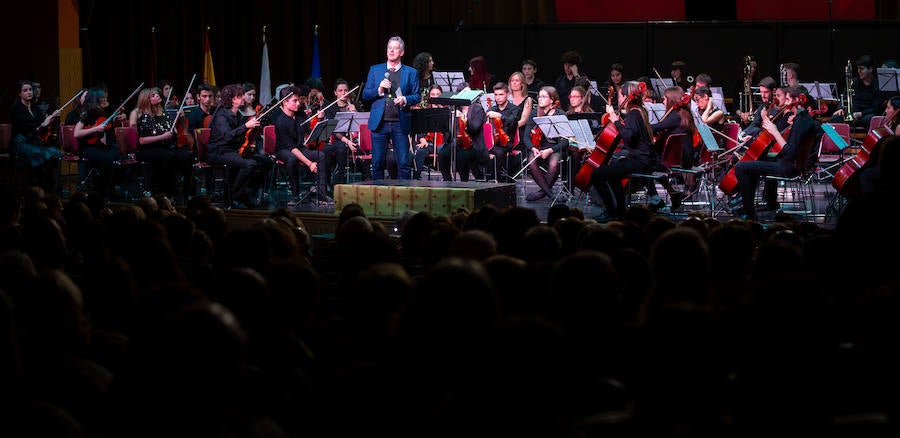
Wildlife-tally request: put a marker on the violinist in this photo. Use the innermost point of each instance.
(156, 145)
(504, 115)
(532, 83)
(165, 86)
(679, 75)
(290, 149)
(342, 146)
(28, 123)
(790, 159)
(426, 144)
(226, 136)
(547, 152)
(100, 153)
(635, 154)
(201, 116)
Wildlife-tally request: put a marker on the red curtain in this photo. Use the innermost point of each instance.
(618, 11)
(568, 11)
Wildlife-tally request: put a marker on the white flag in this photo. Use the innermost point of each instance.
(265, 81)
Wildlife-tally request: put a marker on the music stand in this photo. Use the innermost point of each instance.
(463, 98)
(448, 80)
(321, 132)
(820, 91)
(558, 127)
(718, 98)
(427, 120)
(660, 85)
(348, 122)
(889, 80)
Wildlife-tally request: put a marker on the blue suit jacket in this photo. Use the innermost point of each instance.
(409, 87)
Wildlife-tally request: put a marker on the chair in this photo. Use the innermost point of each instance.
(72, 157)
(273, 179)
(798, 190)
(488, 134)
(365, 147)
(6, 153)
(829, 156)
(127, 139)
(515, 153)
(670, 162)
(216, 178)
(876, 122)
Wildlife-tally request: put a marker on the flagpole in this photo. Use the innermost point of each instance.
(265, 76)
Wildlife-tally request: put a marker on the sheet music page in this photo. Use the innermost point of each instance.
(655, 111)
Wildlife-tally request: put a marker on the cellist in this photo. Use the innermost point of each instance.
(676, 121)
(788, 162)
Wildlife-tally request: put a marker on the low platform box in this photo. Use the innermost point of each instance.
(394, 197)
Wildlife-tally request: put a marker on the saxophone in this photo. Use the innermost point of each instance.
(423, 102)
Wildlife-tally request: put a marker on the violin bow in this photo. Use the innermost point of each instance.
(181, 106)
(323, 109)
(79, 93)
(122, 105)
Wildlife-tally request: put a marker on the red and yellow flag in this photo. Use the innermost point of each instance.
(209, 73)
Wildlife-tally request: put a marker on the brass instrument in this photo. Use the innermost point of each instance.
(848, 76)
(423, 102)
(783, 75)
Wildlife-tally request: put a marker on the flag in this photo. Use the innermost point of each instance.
(209, 74)
(265, 77)
(316, 66)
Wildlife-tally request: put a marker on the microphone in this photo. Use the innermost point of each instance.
(387, 75)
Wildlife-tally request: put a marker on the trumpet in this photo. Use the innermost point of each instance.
(848, 76)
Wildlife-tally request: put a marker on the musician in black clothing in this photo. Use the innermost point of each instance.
(529, 70)
(789, 162)
(227, 135)
(867, 101)
(508, 114)
(425, 144)
(754, 122)
(206, 104)
(471, 154)
(289, 148)
(342, 146)
(548, 150)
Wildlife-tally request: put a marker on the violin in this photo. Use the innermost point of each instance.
(500, 136)
(435, 138)
(248, 148)
(103, 121)
(463, 139)
(183, 138)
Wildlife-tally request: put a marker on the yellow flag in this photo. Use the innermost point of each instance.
(209, 74)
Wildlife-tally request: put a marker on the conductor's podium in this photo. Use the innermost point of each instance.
(392, 198)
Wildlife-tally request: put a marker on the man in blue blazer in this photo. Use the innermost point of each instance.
(391, 90)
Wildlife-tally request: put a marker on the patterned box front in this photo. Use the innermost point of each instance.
(384, 201)
(402, 200)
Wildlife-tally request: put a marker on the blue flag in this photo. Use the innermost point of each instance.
(316, 71)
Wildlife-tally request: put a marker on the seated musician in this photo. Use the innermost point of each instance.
(677, 120)
(157, 146)
(201, 116)
(426, 144)
(866, 101)
(712, 116)
(227, 135)
(505, 114)
(289, 147)
(471, 154)
(789, 162)
(547, 152)
(342, 146)
(754, 121)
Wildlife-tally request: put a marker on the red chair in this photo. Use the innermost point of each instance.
(364, 154)
(488, 133)
(216, 181)
(830, 156)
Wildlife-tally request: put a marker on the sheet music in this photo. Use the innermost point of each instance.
(467, 94)
(448, 80)
(349, 121)
(708, 140)
(655, 111)
(555, 126)
(889, 79)
(584, 137)
(821, 90)
(718, 98)
(660, 87)
(839, 141)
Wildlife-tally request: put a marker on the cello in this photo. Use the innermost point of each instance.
(844, 181)
(604, 144)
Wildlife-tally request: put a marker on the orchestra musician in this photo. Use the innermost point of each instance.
(508, 115)
(426, 143)
(635, 154)
(520, 97)
(227, 135)
(766, 89)
(547, 152)
(290, 149)
(571, 70)
(787, 163)
(468, 158)
(205, 107)
(29, 123)
(156, 145)
(391, 90)
(424, 65)
(679, 75)
(866, 100)
(343, 144)
(100, 153)
(532, 83)
(676, 121)
(479, 76)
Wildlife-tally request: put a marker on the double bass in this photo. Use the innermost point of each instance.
(846, 180)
